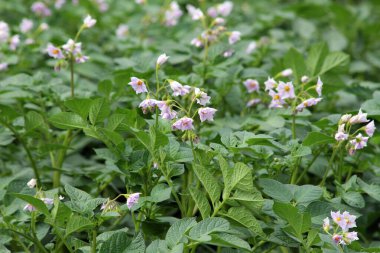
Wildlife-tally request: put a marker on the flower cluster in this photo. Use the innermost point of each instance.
(173, 14)
(40, 195)
(216, 28)
(342, 223)
(166, 106)
(355, 140)
(72, 50)
(112, 205)
(284, 94)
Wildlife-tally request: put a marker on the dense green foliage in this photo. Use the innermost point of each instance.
(255, 179)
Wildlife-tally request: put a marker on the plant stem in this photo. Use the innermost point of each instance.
(36, 240)
(93, 243)
(294, 126)
(330, 164)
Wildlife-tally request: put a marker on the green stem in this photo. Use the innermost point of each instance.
(36, 240)
(309, 165)
(60, 160)
(216, 210)
(330, 164)
(93, 242)
(294, 126)
(72, 75)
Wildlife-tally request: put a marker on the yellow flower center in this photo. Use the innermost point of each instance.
(55, 51)
(139, 82)
(276, 97)
(287, 88)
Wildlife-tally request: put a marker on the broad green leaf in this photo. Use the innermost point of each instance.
(317, 138)
(158, 139)
(228, 240)
(33, 120)
(371, 190)
(251, 199)
(201, 201)
(316, 57)
(105, 87)
(176, 233)
(307, 193)
(80, 106)
(115, 121)
(245, 218)
(276, 190)
(241, 178)
(67, 120)
(295, 60)
(334, 60)
(137, 245)
(77, 223)
(209, 182)
(117, 243)
(37, 203)
(99, 110)
(354, 199)
(160, 192)
(201, 231)
(224, 167)
(76, 194)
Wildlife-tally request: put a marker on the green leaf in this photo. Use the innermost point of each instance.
(294, 60)
(115, 121)
(298, 222)
(228, 240)
(334, 60)
(201, 231)
(67, 120)
(201, 201)
(354, 199)
(99, 110)
(371, 190)
(224, 167)
(105, 87)
(176, 233)
(76, 194)
(307, 193)
(245, 218)
(316, 57)
(160, 192)
(80, 106)
(276, 190)
(317, 138)
(239, 172)
(33, 121)
(209, 182)
(251, 199)
(37, 203)
(117, 243)
(77, 223)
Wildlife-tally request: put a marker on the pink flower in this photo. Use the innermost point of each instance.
(350, 237)
(228, 53)
(122, 31)
(32, 183)
(3, 66)
(81, 58)
(219, 21)
(89, 22)
(54, 52)
(26, 25)
(166, 111)
(195, 13)
(40, 9)
(341, 135)
(212, 12)
(251, 85)
(206, 113)
(201, 97)
(359, 118)
(287, 72)
(196, 42)
(359, 142)
(138, 85)
(307, 103)
(179, 89)
(29, 208)
(48, 201)
(59, 3)
(234, 37)
(253, 102)
(133, 199)
(172, 14)
(286, 90)
(183, 124)
(318, 88)
(277, 100)
(162, 59)
(270, 84)
(349, 221)
(225, 8)
(4, 32)
(370, 128)
(337, 218)
(338, 239)
(148, 104)
(15, 41)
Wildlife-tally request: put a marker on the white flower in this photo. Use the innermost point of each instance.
(270, 84)
(225, 8)
(89, 22)
(172, 14)
(4, 32)
(359, 118)
(196, 42)
(345, 118)
(206, 113)
(304, 79)
(122, 31)
(201, 97)
(341, 135)
(195, 13)
(228, 53)
(318, 88)
(3, 66)
(179, 89)
(251, 47)
(162, 59)
(32, 183)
